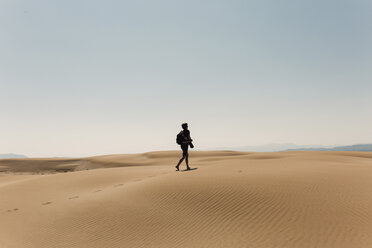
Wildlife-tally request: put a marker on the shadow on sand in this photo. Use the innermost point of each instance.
(190, 169)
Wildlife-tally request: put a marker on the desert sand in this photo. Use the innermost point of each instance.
(232, 199)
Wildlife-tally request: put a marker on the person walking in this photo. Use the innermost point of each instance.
(184, 140)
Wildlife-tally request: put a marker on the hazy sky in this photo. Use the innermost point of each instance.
(91, 77)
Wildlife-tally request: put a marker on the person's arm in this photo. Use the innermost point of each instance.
(188, 136)
(190, 140)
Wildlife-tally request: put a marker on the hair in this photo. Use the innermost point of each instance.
(184, 125)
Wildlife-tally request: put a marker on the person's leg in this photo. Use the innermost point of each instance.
(186, 155)
(178, 165)
(187, 161)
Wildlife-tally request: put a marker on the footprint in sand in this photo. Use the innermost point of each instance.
(118, 185)
(12, 210)
(46, 203)
(73, 197)
(98, 191)
(240, 171)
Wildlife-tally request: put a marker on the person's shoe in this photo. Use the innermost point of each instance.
(177, 168)
(188, 168)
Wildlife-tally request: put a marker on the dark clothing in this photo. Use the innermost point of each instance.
(186, 142)
(185, 149)
(186, 134)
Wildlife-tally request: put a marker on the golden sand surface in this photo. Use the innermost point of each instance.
(233, 199)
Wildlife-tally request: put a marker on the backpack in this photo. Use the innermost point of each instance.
(180, 138)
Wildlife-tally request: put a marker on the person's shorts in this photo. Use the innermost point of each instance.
(185, 148)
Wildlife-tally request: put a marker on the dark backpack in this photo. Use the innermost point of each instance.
(180, 138)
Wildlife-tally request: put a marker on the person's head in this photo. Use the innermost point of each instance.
(184, 126)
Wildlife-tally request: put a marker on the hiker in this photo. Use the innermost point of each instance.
(184, 140)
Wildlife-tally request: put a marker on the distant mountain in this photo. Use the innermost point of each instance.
(355, 148)
(294, 147)
(269, 147)
(11, 155)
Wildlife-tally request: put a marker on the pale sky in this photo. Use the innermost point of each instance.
(80, 78)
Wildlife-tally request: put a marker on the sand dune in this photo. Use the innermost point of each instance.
(232, 199)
